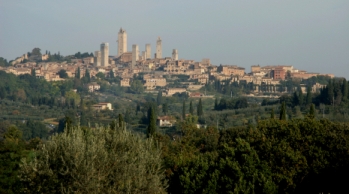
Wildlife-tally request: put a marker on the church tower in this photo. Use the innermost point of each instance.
(122, 42)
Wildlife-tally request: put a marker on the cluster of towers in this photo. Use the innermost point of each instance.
(102, 56)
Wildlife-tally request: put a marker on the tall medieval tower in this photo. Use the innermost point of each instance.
(122, 42)
(105, 54)
(159, 48)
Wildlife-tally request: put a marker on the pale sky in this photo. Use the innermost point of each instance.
(311, 35)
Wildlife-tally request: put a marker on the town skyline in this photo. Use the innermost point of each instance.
(309, 36)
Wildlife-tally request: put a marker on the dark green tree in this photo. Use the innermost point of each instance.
(272, 114)
(200, 112)
(309, 96)
(77, 73)
(87, 76)
(191, 109)
(63, 73)
(312, 111)
(121, 121)
(33, 73)
(283, 111)
(138, 108)
(165, 108)
(215, 104)
(183, 110)
(111, 74)
(11, 153)
(151, 130)
(159, 98)
(301, 98)
(345, 90)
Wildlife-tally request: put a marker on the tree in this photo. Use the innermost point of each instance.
(87, 76)
(121, 121)
(301, 98)
(138, 108)
(159, 98)
(100, 75)
(77, 73)
(94, 161)
(272, 115)
(11, 153)
(191, 109)
(63, 73)
(33, 73)
(111, 74)
(199, 109)
(283, 111)
(312, 111)
(215, 104)
(345, 90)
(165, 108)
(36, 52)
(183, 110)
(152, 124)
(309, 96)
(137, 87)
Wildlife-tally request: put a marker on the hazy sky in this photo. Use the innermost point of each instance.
(311, 35)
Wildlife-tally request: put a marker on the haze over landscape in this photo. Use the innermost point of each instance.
(310, 35)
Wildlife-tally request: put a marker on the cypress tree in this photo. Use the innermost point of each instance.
(121, 121)
(111, 74)
(183, 110)
(295, 99)
(138, 108)
(330, 92)
(309, 96)
(191, 109)
(216, 104)
(199, 109)
(87, 75)
(272, 115)
(345, 90)
(301, 98)
(159, 98)
(165, 108)
(77, 74)
(152, 123)
(312, 111)
(283, 111)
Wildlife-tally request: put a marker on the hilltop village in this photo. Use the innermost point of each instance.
(156, 70)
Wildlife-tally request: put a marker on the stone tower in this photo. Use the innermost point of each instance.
(135, 55)
(159, 48)
(147, 51)
(97, 58)
(175, 54)
(105, 54)
(122, 42)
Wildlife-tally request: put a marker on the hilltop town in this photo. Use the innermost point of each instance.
(156, 70)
